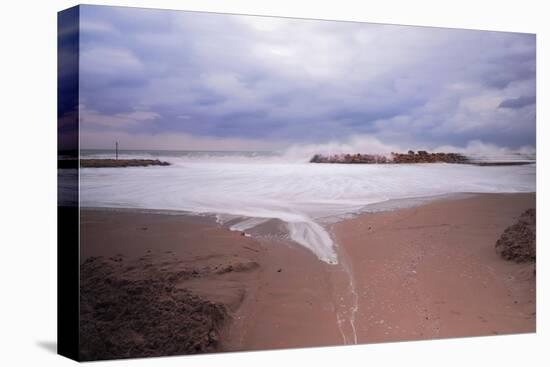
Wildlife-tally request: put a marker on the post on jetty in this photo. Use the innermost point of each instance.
(116, 150)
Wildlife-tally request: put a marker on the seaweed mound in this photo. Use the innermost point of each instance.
(131, 317)
(518, 242)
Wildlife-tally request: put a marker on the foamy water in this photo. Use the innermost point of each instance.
(303, 195)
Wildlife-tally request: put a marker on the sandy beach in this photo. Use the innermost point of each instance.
(274, 293)
(425, 272)
(432, 271)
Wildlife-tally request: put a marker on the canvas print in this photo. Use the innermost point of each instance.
(239, 183)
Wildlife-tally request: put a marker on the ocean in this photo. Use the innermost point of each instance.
(249, 188)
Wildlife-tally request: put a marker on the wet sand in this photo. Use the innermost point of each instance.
(186, 268)
(277, 294)
(432, 271)
(420, 273)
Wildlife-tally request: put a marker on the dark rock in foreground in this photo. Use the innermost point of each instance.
(100, 163)
(518, 242)
(143, 315)
(411, 157)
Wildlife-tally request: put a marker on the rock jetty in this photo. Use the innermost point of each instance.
(101, 163)
(421, 156)
(349, 158)
(424, 157)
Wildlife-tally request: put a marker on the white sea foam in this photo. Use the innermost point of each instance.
(299, 194)
(247, 224)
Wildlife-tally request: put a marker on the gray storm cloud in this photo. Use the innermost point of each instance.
(272, 83)
(519, 102)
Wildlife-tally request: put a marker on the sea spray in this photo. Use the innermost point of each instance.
(314, 237)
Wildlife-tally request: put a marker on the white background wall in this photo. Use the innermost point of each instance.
(28, 181)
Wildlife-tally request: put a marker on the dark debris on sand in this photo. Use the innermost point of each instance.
(128, 317)
(518, 242)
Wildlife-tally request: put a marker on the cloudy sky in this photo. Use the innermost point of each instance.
(160, 79)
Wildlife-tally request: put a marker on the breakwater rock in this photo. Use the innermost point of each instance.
(421, 156)
(101, 163)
